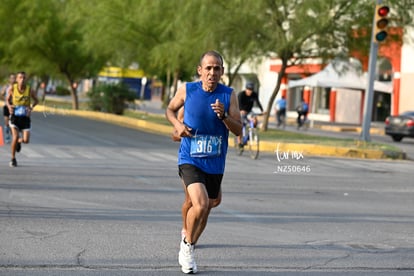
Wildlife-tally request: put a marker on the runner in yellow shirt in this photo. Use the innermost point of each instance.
(20, 107)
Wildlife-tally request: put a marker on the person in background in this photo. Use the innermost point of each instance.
(281, 111)
(20, 108)
(41, 92)
(246, 99)
(210, 112)
(302, 109)
(6, 113)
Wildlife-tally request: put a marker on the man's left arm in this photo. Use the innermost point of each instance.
(233, 120)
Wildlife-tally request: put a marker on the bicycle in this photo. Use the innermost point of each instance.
(303, 123)
(250, 137)
(282, 118)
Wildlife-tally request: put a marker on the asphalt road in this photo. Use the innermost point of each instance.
(91, 198)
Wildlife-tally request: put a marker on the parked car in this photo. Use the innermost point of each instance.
(400, 126)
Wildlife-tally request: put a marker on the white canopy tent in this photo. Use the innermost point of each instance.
(346, 76)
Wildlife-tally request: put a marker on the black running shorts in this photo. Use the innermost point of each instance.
(191, 174)
(20, 122)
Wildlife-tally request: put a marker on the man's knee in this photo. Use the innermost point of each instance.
(25, 139)
(201, 209)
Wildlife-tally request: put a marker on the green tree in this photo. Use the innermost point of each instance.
(145, 30)
(74, 39)
(237, 33)
(296, 30)
(166, 37)
(47, 40)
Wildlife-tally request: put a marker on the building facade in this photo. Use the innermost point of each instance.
(341, 104)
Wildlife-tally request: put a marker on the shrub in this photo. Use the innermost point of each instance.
(62, 91)
(110, 98)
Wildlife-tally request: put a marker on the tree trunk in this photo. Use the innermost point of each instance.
(75, 102)
(175, 81)
(273, 96)
(73, 88)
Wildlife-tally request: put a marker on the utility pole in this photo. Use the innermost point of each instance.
(378, 35)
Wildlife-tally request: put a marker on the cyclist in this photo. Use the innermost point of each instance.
(302, 109)
(281, 111)
(247, 98)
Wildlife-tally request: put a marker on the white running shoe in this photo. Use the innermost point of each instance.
(186, 258)
(13, 163)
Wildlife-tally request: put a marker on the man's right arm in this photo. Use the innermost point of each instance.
(233, 121)
(171, 113)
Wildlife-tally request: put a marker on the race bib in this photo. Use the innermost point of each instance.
(20, 111)
(205, 146)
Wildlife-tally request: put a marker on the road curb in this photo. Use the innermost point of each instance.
(376, 131)
(334, 151)
(265, 146)
(110, 118)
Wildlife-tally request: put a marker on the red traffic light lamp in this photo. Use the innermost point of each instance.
(383, 11)
(381, 23)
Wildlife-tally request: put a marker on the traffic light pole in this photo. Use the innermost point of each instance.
(369, 92)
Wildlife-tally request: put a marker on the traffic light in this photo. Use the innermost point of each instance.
(381, 23)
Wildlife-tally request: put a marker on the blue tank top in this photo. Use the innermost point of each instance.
(200, 117)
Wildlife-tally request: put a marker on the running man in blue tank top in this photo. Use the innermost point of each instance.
(210, 111)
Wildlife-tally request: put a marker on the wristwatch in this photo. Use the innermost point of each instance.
(225, 115)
